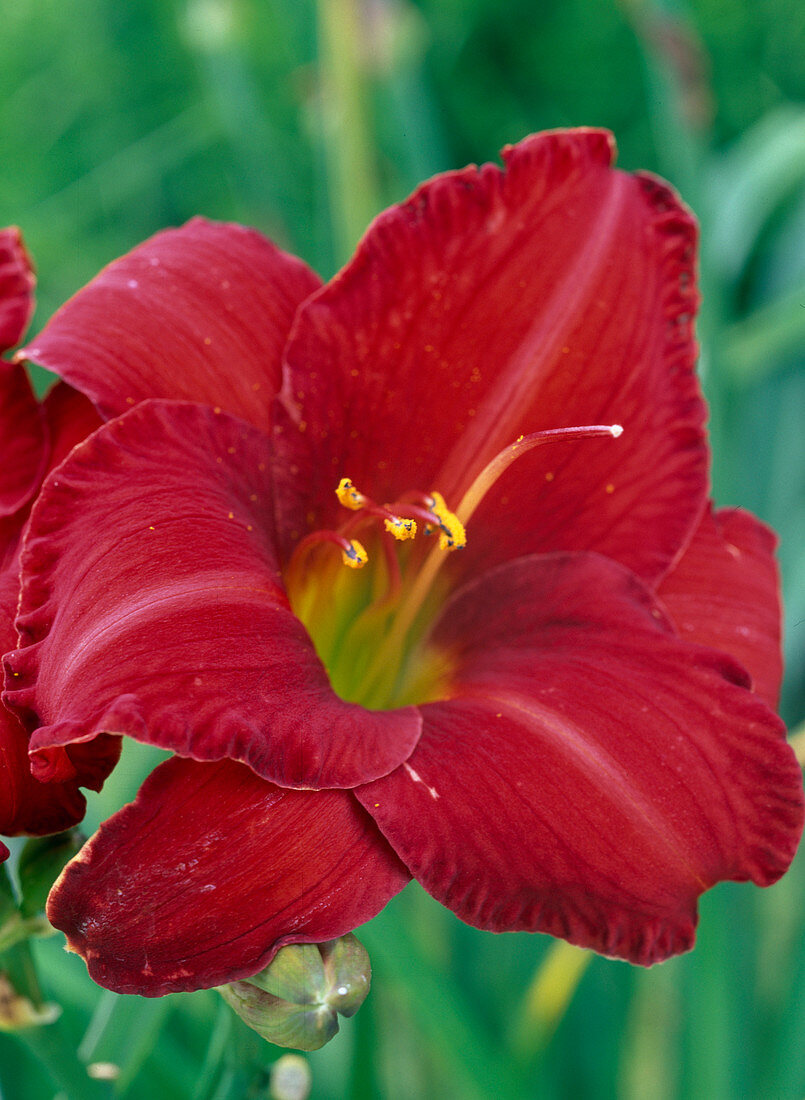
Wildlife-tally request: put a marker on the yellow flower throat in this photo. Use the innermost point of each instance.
(370, 625)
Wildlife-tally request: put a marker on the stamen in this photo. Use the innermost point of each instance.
(349, 496)
(452, 534)
(397, 523)
(400, 527)
(353, 553)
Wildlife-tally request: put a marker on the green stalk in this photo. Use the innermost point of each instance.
(346, 128)
(452, 1034)
(49, 1046)
(548, 996)
(796, 739)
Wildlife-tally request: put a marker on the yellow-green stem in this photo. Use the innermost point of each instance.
(797, 741)
(547, 998)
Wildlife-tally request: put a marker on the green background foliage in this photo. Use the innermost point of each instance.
(304, 120)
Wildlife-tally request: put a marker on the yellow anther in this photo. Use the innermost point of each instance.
(349, 496)
(400, 527)
(355, 556)
(452, 535)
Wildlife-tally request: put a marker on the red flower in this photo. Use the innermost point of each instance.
(35, 438)
(563, 727)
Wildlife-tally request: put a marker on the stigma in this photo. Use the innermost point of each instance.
(522, 445)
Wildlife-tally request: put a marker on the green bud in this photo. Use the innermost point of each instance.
(295, 974)
(296, 1000)
(348, 973)
(18, 1011)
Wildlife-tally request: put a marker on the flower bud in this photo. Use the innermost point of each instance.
(291, 1078)
(17, 1011)
(296, 1000)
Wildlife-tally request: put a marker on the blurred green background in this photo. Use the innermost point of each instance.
(304, 120)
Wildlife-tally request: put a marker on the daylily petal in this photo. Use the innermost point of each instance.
(210, 871)
(9, 542)
(71, 417)
(152, 606)
(24, 439)
(35, 438)
(26, 805)
(725, 593)
(38, 809)
(200, 312)
(557, 293)
(17, 282)
(44, 434)
(591, 774)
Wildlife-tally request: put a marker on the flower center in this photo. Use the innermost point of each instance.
(369, 624)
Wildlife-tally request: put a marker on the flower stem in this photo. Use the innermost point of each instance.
(547, 998)
(347, 131)
(51, 1047)
(46, 1040)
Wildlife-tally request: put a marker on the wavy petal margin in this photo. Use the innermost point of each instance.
(725, 593)
(152, 605)
(591, 775)
(210, 871)
(17, 282)
(26, 805)
(70, 417)
(494, 303)
(34, 438)
(199, 313)
(23, 438)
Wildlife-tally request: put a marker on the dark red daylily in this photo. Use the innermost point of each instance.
(563, 727)
(34, 438)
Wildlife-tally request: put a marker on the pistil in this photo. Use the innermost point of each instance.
(501, 462)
